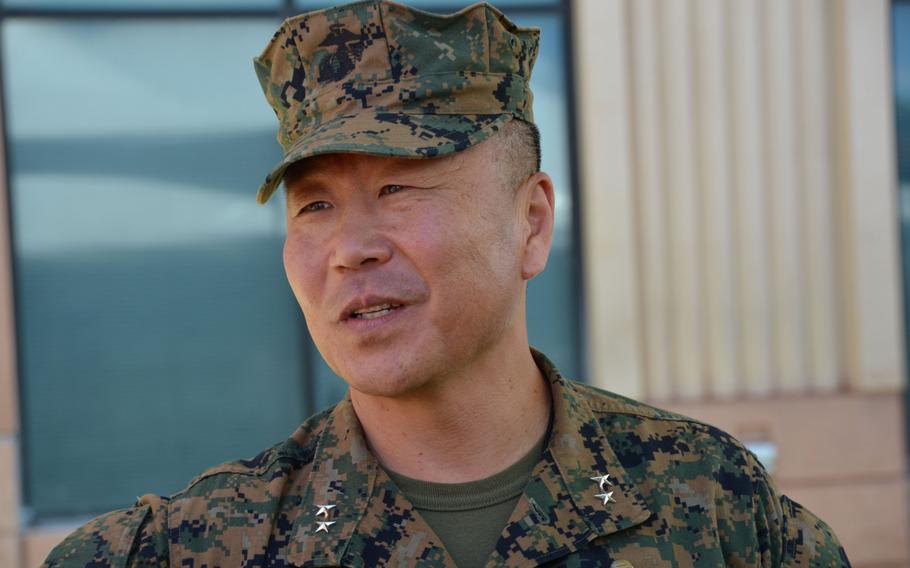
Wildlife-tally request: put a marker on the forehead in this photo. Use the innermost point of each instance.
(466, 162)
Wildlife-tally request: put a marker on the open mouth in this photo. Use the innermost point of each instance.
(373, 312)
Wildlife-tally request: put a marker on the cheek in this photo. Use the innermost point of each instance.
(472, 258)
(301, 269)
(436, 245)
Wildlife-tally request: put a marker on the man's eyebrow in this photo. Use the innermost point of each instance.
(303, 186)
(296, 173)
(416, 167)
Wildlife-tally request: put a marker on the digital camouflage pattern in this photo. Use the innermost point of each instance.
(381, 78)
(684, 494)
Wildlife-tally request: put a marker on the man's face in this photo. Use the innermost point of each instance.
(407, 270)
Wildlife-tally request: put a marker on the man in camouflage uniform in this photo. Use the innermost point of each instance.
(416, 215)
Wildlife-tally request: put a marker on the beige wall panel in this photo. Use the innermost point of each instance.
(867, 204)
(10, 551)
(651, 202)
(9, 398)
(9, 484)
(788, 290)
(607, 202)
(843, 215)
(814, 151)
(38, 543)
(715, 184)
(675, 41)
(749, 198)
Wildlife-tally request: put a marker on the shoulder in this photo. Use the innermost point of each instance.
(706, 468)
(141, 535)
(280, 460)
(605, 402)
(114, 538)
(654, 428)
(230, 487)
(652, 443)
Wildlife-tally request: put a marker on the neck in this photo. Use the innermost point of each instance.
(473, 423)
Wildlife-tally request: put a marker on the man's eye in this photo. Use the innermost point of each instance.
(391, 188)
(315, 206)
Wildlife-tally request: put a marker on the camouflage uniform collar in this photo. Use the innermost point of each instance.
(579, 448)
(557, 513)
(343, 476)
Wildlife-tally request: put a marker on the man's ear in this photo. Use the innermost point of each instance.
(538, 202)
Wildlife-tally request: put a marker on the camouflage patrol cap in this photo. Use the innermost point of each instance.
(381, 78)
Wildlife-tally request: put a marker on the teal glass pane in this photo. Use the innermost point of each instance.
(140, 4)
(901, 37)
(901, 23)
(157, 333)
(553, 324)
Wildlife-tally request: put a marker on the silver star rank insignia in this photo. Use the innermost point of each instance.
(601, 480)
(324, 510)
(607, 497)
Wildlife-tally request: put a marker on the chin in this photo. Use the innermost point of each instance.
(386, 379)
(385, 385)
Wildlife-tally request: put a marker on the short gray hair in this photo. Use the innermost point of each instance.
(518, 146)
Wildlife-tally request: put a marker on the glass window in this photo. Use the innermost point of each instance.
(158, 335)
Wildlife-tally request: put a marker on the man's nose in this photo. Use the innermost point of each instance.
(359, 242)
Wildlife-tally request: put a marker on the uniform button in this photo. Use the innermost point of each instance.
(621, 564)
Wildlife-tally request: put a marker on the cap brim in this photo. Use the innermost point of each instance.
(388, 134)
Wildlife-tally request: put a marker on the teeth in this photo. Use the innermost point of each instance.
(373, 311)
(372, 315)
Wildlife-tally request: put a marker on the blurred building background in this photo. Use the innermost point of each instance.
(733, 232)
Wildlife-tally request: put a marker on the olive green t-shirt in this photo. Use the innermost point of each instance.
(468, 517)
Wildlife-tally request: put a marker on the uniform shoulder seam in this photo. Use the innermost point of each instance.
(263, 461)
(603, 401)
(288, 449)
